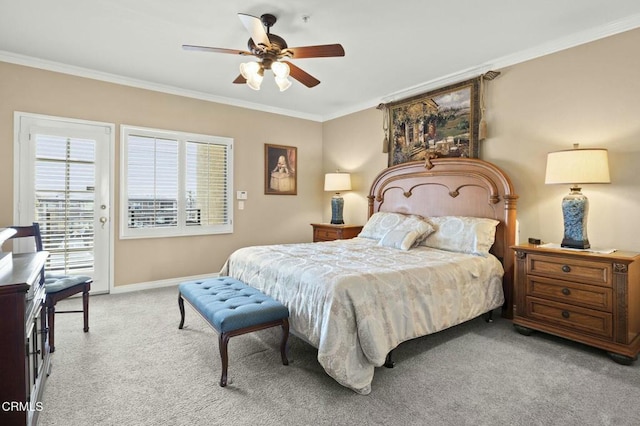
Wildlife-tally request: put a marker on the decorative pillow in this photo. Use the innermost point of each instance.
(474, 235)
(382, 222)
(406, 235)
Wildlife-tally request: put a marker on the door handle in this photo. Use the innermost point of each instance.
(103, 220)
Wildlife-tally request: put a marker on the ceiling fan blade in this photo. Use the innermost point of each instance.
(255, 28)
(216, 49)
(321, 51)
(240, 80)
(302, 76)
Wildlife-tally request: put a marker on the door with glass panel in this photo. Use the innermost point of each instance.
(63, 183)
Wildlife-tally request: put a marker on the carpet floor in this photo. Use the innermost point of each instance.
(134, 367)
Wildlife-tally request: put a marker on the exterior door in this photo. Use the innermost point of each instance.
(63, 182)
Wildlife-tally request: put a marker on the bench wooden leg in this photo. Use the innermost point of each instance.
(223, 341)
(283, 344)
(181, 306)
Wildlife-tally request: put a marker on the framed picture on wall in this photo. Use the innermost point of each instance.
(281, 170)
(440, 123)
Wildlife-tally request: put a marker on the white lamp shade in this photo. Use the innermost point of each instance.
(337, 182)
(576, 166)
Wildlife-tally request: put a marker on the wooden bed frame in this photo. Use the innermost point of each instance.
(454, 187)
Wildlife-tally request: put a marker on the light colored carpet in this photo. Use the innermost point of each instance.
(135, 367)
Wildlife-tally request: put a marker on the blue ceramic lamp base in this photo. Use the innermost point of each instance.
(575, 207)
(337, 204)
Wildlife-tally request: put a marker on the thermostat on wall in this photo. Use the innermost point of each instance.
(241, 195)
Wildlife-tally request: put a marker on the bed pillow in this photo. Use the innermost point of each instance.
(474, 235)
(407, 234)
(382, 222)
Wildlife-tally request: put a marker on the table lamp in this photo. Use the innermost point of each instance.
(577, 166)
(336, 182)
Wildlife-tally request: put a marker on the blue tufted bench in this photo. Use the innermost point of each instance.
(232, 308)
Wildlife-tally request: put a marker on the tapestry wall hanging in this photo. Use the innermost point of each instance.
(440, 123)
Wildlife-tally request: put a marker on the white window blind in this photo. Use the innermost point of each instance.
(152, 176)
(175, 184)
(64, 192)
(207, 181)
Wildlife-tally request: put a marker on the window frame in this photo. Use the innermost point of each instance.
(182, 229)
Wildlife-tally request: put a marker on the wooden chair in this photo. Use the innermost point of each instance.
(57, 287)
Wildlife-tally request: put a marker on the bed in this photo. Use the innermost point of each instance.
(356, 300)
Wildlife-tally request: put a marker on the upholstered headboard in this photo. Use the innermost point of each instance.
(454, 187)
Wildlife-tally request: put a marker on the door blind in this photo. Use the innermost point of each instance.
(64, 204)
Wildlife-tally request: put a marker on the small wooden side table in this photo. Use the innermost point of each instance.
(329, 232)
(587, 297)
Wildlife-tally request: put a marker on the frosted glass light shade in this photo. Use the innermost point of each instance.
(337, 182)
(249, 69)
(283, 83)
(255, 81)
(280, 69)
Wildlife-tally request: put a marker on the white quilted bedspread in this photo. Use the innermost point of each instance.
(355, 301)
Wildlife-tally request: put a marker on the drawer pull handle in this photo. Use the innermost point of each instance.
(566, 291)
(566, 268)
(565, 314)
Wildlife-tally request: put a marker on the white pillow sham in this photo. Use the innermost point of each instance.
(406, 235)
(473, 235)
(382, 222)
(412, 229)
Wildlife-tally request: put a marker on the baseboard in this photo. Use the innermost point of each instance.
(157, 284)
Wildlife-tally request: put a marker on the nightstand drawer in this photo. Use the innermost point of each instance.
(569, 269)
(326, 234)
(588, 296)
(572, 317)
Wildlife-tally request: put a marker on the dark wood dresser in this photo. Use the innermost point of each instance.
(329, 232)
(587, 297)
(24, 353)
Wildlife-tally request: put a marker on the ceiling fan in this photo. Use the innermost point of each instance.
(272, 53)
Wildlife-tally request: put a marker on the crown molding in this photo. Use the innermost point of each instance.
(573, 40)
(564, 43)
(44, 64)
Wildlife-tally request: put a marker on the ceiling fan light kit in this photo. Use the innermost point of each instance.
(272, 52)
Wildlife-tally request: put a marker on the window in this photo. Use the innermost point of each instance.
(175, 184)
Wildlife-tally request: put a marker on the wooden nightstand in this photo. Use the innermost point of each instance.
(329, 232)
(587, 297)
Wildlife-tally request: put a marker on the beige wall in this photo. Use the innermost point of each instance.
(589, 94)
(265, 219)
